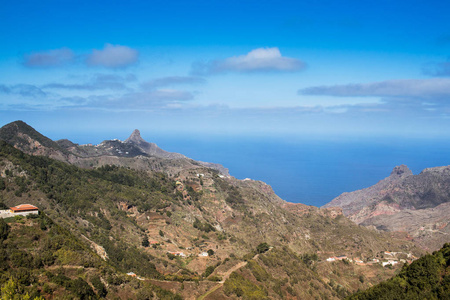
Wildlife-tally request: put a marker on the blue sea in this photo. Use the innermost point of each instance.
(312, 171)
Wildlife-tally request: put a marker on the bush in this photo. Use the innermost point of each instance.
(263, 247)
(145, 242)
(209, 270)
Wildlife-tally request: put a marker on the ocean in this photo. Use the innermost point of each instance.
(312, 171)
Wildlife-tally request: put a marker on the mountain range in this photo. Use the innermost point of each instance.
(184, 228)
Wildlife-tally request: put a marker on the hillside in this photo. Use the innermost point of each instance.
(426, 278)
(159, 225)
(39, 258)
(416, 204)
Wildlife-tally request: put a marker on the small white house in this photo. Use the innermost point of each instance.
(389, 262)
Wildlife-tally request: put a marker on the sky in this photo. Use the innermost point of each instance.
(81, 69)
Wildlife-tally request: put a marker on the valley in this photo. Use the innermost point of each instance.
(186, 229)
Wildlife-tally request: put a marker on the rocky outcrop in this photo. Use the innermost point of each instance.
(416, 204)
(150, 148)
(353, 202)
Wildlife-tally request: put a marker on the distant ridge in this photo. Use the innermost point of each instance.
(416, 204)
(134, 152)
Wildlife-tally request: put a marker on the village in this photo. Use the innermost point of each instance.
(387, 258)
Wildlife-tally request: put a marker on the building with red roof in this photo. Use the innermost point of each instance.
(24, 209)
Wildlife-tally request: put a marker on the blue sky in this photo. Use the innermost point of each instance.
(318, 68)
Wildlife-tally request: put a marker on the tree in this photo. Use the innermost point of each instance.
(263, 247)
(210, 252)
(145, 242)
(4, 229)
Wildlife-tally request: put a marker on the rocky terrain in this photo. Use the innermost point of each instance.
(416, 204)
(180, 226)
(134, 152)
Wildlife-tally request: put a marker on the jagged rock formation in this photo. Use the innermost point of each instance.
(150, 149)
(418, 204)
(134, 152)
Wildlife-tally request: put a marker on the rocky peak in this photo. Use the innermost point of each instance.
(400, 171)
(135, 137)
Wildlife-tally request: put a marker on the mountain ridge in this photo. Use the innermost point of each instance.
(134, 151)
(416, 204)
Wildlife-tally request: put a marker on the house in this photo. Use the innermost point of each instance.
(153, 242)
(331, 258)
(389, 262)
(131, 274)
(178, 254)
(24, 210)
(341, 257)
(203, 254)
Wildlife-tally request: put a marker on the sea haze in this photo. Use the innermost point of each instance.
(310, 170)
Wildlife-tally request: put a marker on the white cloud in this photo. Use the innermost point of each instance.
(257, 60)
(427, 89)
(51, 58)
(113, 56)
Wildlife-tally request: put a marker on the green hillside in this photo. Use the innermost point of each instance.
(426, 278)
(124, 220)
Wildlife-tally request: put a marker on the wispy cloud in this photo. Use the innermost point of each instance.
(141, 100)
(439, 69)
(113, 56)
(172, 80)
(25, 90)
(426, 89)
(50, 58)
(257, 60)
(97, 82)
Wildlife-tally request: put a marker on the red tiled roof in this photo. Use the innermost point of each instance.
(23, 207)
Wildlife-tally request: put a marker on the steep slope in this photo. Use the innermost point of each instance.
(417, 204)
(426, 278)
(150, 148)
(26, 138)
(39, 258)
(353, 202)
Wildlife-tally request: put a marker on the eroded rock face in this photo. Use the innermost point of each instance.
(417, 204)
(401, 171)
